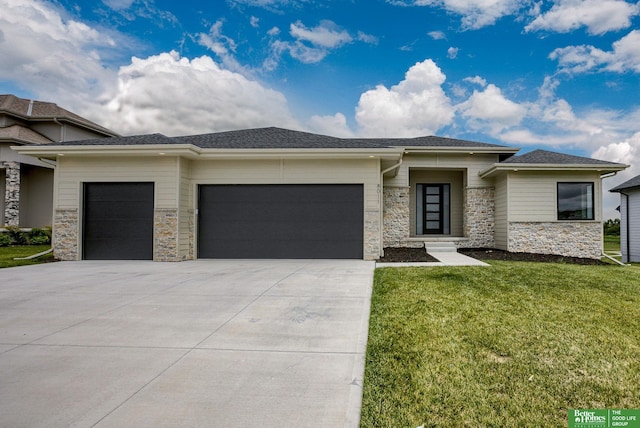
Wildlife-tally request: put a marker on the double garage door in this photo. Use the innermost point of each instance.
(234, 221)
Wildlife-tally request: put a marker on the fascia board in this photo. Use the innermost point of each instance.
(487, 150)
(193, 152)
(390, 154)
(496, 168)
(50, 151)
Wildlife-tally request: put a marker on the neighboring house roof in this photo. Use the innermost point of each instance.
(21, 134)
(278, 138)
(33, 110)
(541, 160)
(629, 184)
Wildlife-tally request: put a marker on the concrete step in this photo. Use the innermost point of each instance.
(440, 247)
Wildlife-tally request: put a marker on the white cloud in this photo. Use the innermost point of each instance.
(224, 47)
(476, 80)
(311, 45)
(452, 52)
(326, 35)
(58, 59)
(50, 54)
(255, 22)
(625, 56)
(416, 106)
(492, 110)
(437, 35)
(177, 96)
(475, 13)
(335, 125)
(599, 16)
(118, 4)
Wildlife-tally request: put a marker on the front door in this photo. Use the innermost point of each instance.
(434, 204)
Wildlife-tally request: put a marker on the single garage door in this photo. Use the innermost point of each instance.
(321, 221)
(118, 221)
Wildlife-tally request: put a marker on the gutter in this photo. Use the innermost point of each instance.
(381, 196)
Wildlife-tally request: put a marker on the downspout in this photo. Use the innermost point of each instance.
(627, 226)
(62, 133)
(381, 197)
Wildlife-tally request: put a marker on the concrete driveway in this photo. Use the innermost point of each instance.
(277, 343)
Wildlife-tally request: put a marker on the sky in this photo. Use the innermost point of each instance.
(561, 75)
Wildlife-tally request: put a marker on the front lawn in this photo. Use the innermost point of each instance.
(515, 344)
(7, 254)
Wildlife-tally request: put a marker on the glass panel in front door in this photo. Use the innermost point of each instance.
(433, 212)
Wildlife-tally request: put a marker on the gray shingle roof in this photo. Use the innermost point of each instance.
(34, 110)
(278, 138)
(629, 184)
(553, 158)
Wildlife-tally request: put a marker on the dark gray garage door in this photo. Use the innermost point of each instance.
(118, 221)
(281, 221)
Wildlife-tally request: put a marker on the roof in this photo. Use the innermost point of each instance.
(543, 160)
(21, 134)
(544, 157)
(279, 138)
(40, 110)
(629, 184)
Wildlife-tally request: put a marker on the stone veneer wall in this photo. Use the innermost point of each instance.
(576, 239)
(165, 235)
(371, 235)
(396, 217)
(65, 234)
(479, 218)
(12, 193)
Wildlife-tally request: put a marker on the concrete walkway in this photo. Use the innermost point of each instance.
(445, 258)
(202, 343)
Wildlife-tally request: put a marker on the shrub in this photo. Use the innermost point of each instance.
(18, 237)
(5, 240)
(39, 236)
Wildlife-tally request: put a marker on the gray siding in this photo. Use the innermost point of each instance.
(36, 196)
(533, 194)
(630, 252)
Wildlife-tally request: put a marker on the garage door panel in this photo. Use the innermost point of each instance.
(281, 221)
(118, 221)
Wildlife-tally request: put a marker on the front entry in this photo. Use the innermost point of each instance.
(433, 209)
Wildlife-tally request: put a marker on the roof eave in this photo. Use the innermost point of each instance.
(602, 169)
(52, 151)
(191, 151)
(93, 127)
(452, 149)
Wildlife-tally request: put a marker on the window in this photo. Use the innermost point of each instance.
(575, 201)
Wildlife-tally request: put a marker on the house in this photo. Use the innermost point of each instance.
(277, 193)
(629, 219)
(26, 183)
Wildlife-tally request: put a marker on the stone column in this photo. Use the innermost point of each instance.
(165, 235)
(479, 217)
(12, 194)
(65, 234)
(396, 218)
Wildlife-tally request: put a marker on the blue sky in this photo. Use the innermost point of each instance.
(561, 75)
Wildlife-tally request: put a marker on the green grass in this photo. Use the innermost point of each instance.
(516, 344)
(611, 244)
(7, 255)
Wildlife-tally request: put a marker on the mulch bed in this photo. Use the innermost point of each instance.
(397, 255)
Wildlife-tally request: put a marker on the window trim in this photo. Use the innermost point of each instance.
(593, 200)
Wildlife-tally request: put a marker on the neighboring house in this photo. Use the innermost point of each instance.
(629, 219)
(277, 193)
(26, 183)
